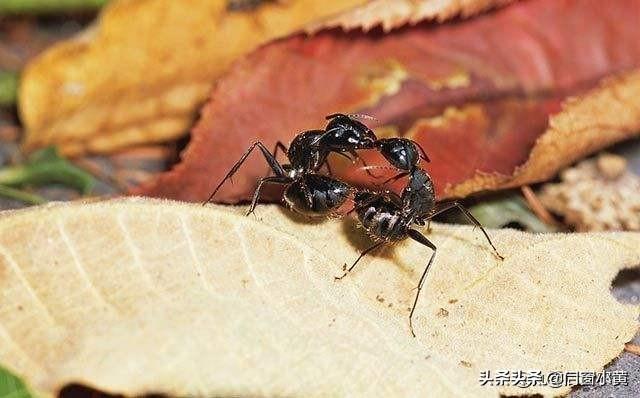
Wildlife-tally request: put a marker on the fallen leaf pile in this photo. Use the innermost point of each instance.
(476, 94)
(143, 296)
(596, 195)
(121, 83)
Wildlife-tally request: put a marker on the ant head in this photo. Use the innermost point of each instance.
(402, 153)
(344, 133)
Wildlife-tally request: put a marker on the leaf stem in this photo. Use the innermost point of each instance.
(48, 6)
(45, 167)
(22, 196)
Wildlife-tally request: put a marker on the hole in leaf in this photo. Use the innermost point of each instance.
(625, 287)
(515, 225)
(79, 391)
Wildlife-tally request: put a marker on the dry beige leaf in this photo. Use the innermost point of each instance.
(137, 296)
(596, 195)
(392, 14)
(138, 76)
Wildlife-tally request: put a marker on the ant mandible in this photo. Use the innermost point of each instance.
(348, 135)
(388, 218)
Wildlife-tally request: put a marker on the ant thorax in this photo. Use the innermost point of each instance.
(419, 197)
(292, 172)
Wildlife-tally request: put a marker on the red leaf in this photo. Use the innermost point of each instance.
(476, 94)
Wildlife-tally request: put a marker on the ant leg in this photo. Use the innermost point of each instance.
(326, 163)
(279, 146)
(265, 180)
(396, 177)
(364, 253)
(418, 237)
(366, 166)
(423, 153)
(271, 160)
(442, 207)
(344, 155)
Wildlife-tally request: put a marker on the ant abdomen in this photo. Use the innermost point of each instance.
(380, 214)
(317, 195)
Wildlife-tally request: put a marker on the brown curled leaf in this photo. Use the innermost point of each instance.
(476, 94)
(599, 118)
(139, 74)
(145, 296)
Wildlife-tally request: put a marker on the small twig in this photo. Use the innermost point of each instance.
(537, 207)
(632, 348)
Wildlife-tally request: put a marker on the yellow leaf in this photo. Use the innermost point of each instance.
(139, 75)
(137, 296)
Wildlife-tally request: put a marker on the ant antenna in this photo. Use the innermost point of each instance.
(424, 154)
(352, 116)
(379, 167)
(363, 116)
(376, 166)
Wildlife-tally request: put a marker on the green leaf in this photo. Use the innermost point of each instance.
(48, 6)
(8, 87)
(44, 167)
(11, 386)
(498, 212)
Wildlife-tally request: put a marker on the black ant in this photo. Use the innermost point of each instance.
(388, 218)
(308, 192)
